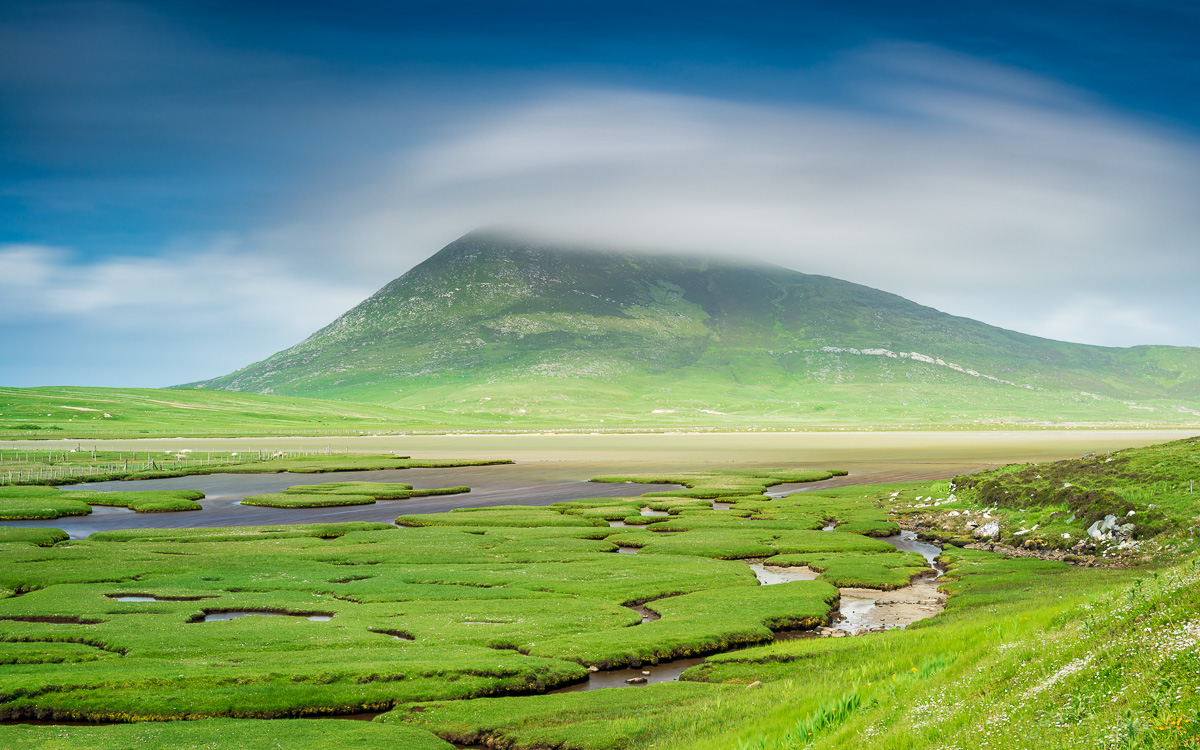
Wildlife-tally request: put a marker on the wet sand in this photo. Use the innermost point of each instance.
(902, 451)
(870, 608)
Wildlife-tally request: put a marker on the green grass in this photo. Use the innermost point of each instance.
(39, 536)
(854, 509)
(377, 490)
(25, 503)
(94, 413)
(306, 500)
(1028, 654)
(1080, 659)
(753, 541)
(1050, 506)
(603, 720)
(484, 602)
(700, 623)
(459, 621)
(720, 484)
(528, 516)
(57, 467)
(345, 493)
(237, 533)
(155, 501)
(220, 734)
(1153, 488)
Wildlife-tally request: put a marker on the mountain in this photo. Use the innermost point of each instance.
(510, 330)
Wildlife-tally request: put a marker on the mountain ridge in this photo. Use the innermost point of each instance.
(496, 325)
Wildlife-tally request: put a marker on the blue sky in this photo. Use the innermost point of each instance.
(186, 188)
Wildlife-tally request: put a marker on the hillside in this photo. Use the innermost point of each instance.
(508, 330)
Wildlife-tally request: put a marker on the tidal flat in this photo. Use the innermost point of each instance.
(551, 468)
(860, 452)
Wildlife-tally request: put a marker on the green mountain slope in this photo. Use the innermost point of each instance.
(508, 330)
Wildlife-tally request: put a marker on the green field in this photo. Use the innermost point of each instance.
(454, 623)
(95, 413)
(72, 413)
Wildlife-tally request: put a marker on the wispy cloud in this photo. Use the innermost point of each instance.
(168, 319)
(970, 187)
(964, 185)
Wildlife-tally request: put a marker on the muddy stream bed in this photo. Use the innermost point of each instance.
(860, 611)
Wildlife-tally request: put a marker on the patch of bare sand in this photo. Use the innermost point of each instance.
(872, 610)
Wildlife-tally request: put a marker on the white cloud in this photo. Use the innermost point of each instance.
(169, 319)
(25, 267)
(1095, 317)
(980, 190)
(960, 184)
(185, 288)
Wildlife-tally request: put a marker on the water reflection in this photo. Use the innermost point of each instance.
(214, 616)
(769, 575)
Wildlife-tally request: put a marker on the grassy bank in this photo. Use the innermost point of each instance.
(61, 467)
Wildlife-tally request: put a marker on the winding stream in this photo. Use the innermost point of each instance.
(906, 541)
(769, 575)
(873, 610)
(664, 671)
